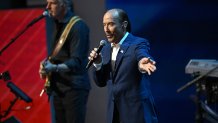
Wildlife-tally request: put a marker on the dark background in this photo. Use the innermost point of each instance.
(177, 30)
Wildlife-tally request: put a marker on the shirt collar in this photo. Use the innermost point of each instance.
(121, 41)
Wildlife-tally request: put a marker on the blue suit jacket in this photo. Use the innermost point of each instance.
(128, 88)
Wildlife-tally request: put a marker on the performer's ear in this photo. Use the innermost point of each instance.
(125, 23)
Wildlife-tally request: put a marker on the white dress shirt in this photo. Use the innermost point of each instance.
(115, 50)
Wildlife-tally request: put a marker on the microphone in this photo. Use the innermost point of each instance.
(18, 92)
(102, 43)
(45, 13)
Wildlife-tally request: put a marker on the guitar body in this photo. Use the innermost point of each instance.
(47, 85)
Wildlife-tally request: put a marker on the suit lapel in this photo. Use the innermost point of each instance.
(121, 53)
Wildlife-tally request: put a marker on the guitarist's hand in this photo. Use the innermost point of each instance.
(49, 67)
(42, 71)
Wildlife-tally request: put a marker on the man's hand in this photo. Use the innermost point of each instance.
(49, 67)
(45, 67)
(94, 56)
(42, 71)
(146, 65)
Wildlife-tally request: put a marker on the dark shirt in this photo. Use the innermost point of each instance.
(74, 54)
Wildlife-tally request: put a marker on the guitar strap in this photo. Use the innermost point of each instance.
(64, 35)
(57, 48)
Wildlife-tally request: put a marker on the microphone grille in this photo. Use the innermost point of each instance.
(103, 42)
(45, 13)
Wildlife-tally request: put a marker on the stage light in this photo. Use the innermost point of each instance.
(18, 92)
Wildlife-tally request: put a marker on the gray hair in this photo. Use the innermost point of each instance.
(68, 3)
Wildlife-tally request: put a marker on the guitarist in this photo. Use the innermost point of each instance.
(65, 67)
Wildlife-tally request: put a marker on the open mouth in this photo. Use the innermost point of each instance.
(109, 36)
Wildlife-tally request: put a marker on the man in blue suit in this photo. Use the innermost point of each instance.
(124, 65)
